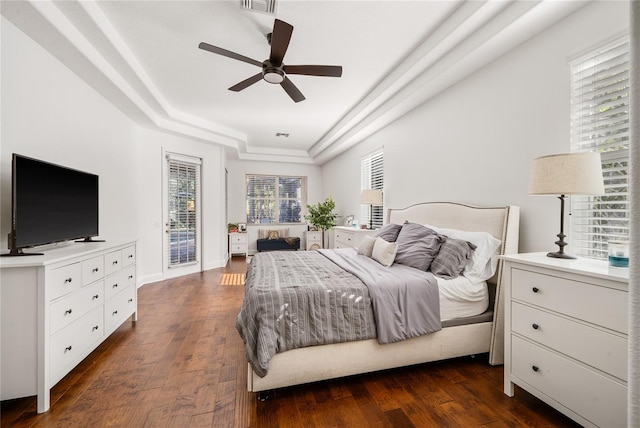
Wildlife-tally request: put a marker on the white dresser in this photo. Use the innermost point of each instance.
(57, 308)
(313, 239)
(238, 244)
(345, 237)
(566, 335)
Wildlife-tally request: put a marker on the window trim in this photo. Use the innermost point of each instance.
(278, 199)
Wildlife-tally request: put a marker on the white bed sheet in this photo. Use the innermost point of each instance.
(460, 297)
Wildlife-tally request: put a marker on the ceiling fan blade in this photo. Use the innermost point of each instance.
(280, 41)
(246, 83)
(314, 70)
(228, 54)
(291, 89)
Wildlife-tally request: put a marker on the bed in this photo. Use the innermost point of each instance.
(457, 337)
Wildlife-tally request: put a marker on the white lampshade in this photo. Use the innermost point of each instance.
(371, 197)
(567, 174)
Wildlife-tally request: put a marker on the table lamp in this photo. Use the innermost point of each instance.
(566, 174)
(371, 197)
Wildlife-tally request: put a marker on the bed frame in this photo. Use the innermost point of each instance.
(323, 362)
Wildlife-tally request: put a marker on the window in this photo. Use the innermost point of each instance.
(600, 123)
(276, 199)
(372, 177)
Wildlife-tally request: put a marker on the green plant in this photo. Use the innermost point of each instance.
(232, 226)
(321, 215)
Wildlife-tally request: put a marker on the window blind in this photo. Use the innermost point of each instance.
(184, 210)
(600, 123)
(372, 177)
(275, 199)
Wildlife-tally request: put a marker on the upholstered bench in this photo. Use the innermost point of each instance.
(278, 244)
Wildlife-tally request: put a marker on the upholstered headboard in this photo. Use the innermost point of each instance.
(501, 222)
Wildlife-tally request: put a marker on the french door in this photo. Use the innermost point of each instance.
(182, 214)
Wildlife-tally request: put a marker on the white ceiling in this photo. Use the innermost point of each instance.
(143, 56)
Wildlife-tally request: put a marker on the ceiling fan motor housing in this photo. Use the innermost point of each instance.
(271, 73)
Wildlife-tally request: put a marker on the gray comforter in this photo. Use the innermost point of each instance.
(295, 299)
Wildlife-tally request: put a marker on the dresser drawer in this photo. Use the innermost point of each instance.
(595, 397)
(73, 341)
(92, 270)
(64, 280)
(112, 262)
(129, 256)
(238, 238)
(119, 308)
(572, 338)
(119, 281)
(69, 308)
(584, 301)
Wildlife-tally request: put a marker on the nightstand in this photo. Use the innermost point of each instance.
(566, 332)
(313, 239)
(349, 237)
(238, 244)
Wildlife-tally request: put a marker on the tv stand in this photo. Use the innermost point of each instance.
(90, 239)
(18, 252)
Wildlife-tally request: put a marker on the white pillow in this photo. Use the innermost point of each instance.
(366, 246)
(484, 262)
(384, 252)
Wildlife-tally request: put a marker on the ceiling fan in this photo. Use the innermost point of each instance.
(273, 70)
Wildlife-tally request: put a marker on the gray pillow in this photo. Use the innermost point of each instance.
(454, 255)
(410, 234)
(389, 232)
(421, 252)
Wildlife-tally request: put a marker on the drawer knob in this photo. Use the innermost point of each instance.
(115, 285)
(130, 256)
(95, 296)
(68, 280)
(130, 276)
(130, 300)
(115, 262)
(114, 313)
(95, 270)
(95, 327)
(535, 289)
(535, 326)
(535, 368)
(68, 348)
(68, 311)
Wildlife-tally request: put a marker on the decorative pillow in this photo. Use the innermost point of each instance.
(420, 253)
(484, 262)
(410, 234)
(389, 232)
(366, 246)
(384, 252)
(264, 233)
(273, 234)
(454, 255)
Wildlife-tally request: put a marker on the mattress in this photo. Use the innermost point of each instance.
(462, 298)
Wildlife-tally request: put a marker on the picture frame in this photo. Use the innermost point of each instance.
(242, 227)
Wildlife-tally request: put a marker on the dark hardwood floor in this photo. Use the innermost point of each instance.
(182, 365)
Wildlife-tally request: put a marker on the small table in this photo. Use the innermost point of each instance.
(238, 244)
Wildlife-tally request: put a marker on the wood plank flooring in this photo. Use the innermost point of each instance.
(183, 365)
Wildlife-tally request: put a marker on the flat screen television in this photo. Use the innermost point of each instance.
(50, 203)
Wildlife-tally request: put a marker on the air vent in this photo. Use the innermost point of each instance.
(264, 6)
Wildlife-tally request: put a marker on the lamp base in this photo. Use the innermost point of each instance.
(561, 255)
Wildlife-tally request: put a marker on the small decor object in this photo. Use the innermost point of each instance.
(566, 174)
(371, 197)
(619, 253)
(242, 227)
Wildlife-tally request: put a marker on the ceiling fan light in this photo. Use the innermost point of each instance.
(273, 76)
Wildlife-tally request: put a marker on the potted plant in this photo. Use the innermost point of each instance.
(232, 227)
(322, 216)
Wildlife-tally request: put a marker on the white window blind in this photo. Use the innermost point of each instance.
(184, 210)
(372, 177)
(600, 123)
(276, 199)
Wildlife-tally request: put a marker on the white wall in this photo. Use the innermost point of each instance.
(475, 142)
(49, 113)
(237, 185)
